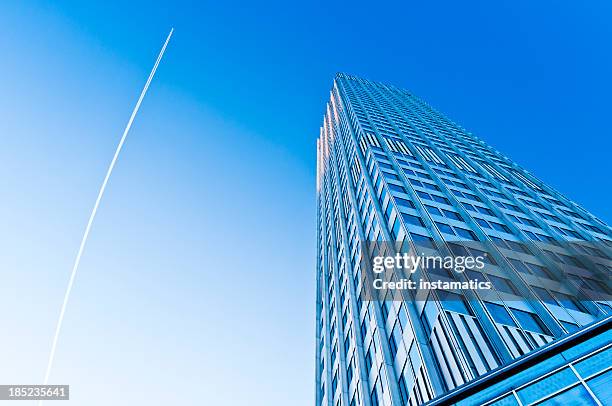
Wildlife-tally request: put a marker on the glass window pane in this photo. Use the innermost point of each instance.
(500, 314)
(482, 222)
(403, 202)
(452, 301)
(577, 396)
(465, 233)
(503, 284)
(445, 228)
(519, 266)
(594, 364)
(433, 210)
(506, 401)
(412, 220)
(545, 296)
(530, 321)
(539, 270)
(422, 241)
(452, 215)
(546, 386)
(569, 302)
(601, 387)
(570, 327)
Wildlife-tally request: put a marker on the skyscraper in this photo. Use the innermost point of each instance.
(394, 176)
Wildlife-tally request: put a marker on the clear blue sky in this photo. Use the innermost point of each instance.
(197, 286)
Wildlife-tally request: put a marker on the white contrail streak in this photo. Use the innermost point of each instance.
(75, 267)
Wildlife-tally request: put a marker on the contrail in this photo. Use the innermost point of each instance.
(75, 267)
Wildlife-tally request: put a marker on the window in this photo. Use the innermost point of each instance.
(392, 347)
(388, 211)
(433, 210)
(430, 186)
(607, 308)
(569, 302)
(409, 219)
(374, 397)
(403, 390)
(422, 240)
(384, 309)
(335, 382)
(545, 296)
(395, 229)
(425, 323)
(500, 314)
(443, 212)
(467, 234)
(570, 327)
(469, 207)
(445, 228)
(368, 359)
(475, 275)
(538, 270)
(347, 343)
(597, 285)
(453, 302)
(500, 227)
(503, 285)
(487, 258)
(484, 210)
(601, 387)
(396, 188)
(404, 202)
(594, 363)
(523, 220)
(577, 396)
(349, 372)
(518, 247)
(482, 222)
(364, 327)
(471, 197)
(452, 215)
(505, 401)
(548, 385)
(441, 199)
(500, 242)
(530, 321)
(390, 176)
(415, 182)
(424, 195)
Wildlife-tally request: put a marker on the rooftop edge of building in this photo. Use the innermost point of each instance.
(344, 75)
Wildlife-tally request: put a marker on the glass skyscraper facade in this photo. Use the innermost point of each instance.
(394, 175)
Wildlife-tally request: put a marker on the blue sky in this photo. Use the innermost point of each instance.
(199, 273)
